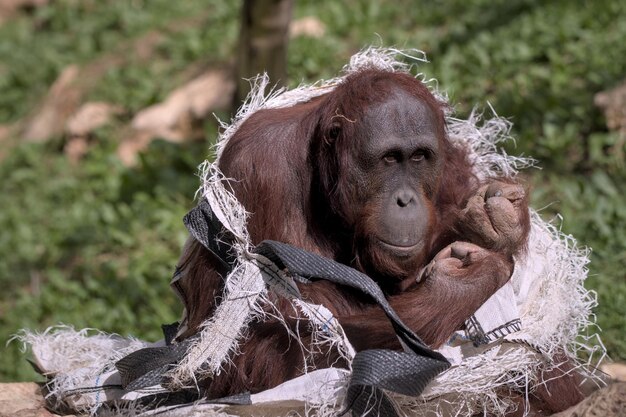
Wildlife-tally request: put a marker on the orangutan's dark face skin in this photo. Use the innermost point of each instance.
(395, 175)
(401, 162)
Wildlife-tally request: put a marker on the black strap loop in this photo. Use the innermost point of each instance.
(146, 367)
(206, 228)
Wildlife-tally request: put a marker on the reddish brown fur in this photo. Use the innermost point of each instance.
(289, 167)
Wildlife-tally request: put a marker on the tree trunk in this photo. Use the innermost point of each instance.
(262, 44)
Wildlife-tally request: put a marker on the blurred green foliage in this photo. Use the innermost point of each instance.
(91, 245)
(94, 244)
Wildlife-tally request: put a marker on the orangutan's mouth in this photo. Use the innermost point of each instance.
(403, 250)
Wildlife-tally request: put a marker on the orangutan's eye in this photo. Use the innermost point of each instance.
(420, 155)
(391, 158)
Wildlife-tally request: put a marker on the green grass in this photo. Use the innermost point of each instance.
(94, 244)
(91, 245)
(594, 212)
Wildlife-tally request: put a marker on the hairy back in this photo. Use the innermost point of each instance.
(268, 165)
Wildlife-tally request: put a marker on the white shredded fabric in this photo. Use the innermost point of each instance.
(547, 290)
(244, 289)
(245, 296)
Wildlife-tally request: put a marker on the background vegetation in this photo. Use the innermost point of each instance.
(94, 243)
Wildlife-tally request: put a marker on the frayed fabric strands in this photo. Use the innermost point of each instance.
(244, 289)
(245, 295)
(550, 308)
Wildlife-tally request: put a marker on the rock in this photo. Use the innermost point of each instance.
(89, 117)
(131, 145)
(76, 148)
(617, 371)
(307, 26)
(176, 118)
(22, 399)
(613, 103)
(606, 402)
(62, 101)
(82, 123)
(210, 92)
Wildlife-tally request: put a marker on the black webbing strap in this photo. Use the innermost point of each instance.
(315, 267)
(146, 367)
(206, 228)
(373, 370)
